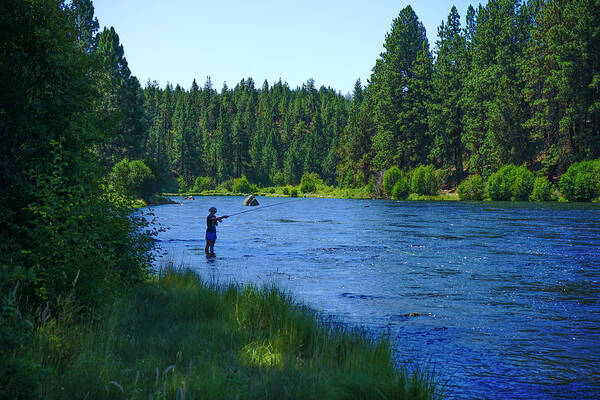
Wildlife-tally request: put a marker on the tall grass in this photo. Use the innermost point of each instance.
(179, 337)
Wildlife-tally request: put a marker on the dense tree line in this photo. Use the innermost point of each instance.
(518, 83)
(67, 241)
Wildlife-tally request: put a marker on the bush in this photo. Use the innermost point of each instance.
(390, 178)
(522, 184)
(278, 178)
(472, 188)
(286, 191)
(294, 193)
(202, 183)
(425, 181)
(401, 189)
(225, 186)
(543, 190)
(133, 178)
(510, 183)
(581, 182)
(182, 186)
(241, 185)
(499, 186)
(309, 182)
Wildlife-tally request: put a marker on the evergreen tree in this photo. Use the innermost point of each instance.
(390, 86)
(562, 70)
(495, 108)
(445, 110)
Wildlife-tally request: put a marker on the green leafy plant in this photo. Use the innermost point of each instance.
(241, 185)
(309, 182)
(401, 188)
(543, 190)
(390, 177)
(522, 184)
(424, 180)
(202, 183)
(472, 188)
(133, 178)
(581, 182)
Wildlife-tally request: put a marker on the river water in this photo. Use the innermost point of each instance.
(507, 294)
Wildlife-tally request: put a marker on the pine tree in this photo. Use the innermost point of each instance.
(445, 110)
(390, 84)
(562, 70)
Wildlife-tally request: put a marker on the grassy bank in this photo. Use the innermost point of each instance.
(178, 337)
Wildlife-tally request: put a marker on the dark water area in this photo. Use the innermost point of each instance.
(505, 297)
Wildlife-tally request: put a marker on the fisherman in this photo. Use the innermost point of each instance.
(211, 230)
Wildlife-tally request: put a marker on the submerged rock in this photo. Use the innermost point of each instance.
(251, 201)
(189, 198)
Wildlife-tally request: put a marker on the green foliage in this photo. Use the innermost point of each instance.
(202, 183)
(309, 182)
(425, 181)
(210, 341)
(182, 186)
(241, 185)
(581, 182)
(510, 183)
(472, 188)
(543, 190)
(523, 184)
(401, 188)
(133, 178)
(391, 176)
(499, 186)
(294, 192)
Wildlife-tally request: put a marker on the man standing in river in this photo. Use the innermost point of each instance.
(211, 230)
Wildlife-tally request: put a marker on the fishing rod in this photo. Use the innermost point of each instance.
(260, 208)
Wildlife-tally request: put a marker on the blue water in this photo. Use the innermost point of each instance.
(508, 294)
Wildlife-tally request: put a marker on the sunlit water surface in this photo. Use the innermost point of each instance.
(508, 294)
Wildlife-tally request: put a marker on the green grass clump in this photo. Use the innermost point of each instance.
(180, 337)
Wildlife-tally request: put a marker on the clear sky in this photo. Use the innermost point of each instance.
(332, 41)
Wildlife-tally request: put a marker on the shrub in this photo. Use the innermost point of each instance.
(241, 185)
(390, 178)
(581, 182)
(510, 183)
(425, 181)
(472, 188)
(278, 178)
(202, 183)
(294, 193)
(543, 190)
(226, 186)
(309, 182)
(522, 184)
(286, 191)
(499, 186)
(182, 186)
(133, 178)
(401, 189)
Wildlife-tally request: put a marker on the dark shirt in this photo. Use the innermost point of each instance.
(211, 223)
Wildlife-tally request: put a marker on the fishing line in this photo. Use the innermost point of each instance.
(260, 208)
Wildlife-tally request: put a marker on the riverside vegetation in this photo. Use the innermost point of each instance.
(80, 137)
(180, 337)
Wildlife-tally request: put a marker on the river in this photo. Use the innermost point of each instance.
(505, 296)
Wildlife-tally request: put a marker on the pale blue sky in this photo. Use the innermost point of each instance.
(332, 41)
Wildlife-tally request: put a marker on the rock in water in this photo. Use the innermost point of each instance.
(251, 201)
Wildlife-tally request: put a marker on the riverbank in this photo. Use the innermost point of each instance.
(333, 193)
(179, 337)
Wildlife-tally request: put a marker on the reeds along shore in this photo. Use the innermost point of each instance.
(178, 337)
